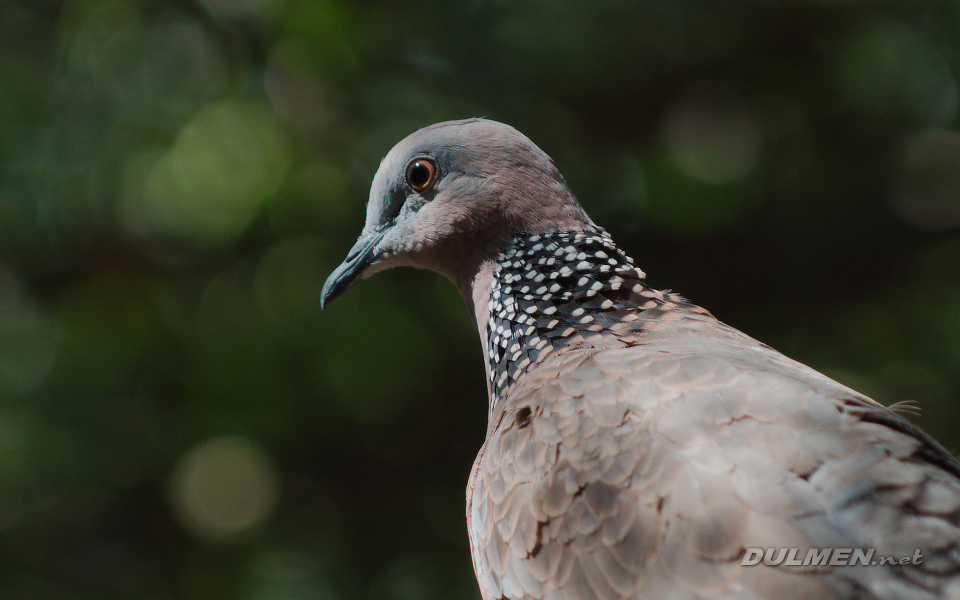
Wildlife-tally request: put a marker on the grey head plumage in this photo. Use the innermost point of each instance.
(449, 195)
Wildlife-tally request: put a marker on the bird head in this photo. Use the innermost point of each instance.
(449, 196)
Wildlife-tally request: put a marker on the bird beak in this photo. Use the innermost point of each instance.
(359, 258)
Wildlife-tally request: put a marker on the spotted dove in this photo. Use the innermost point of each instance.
(637, 447)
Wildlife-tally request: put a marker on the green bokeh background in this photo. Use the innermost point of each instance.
(178, 420)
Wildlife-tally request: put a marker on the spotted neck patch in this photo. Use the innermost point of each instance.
(560, 289)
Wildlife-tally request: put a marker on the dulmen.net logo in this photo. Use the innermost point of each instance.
(824, 557)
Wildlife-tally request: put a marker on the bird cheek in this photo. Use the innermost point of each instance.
(405, 239)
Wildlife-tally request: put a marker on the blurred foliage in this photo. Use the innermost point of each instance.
(177, 177)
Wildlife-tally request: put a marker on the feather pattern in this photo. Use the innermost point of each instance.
(640, 458)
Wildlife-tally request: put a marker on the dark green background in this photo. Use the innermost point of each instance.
(178, 420)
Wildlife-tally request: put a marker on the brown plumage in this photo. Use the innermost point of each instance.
(637, 447)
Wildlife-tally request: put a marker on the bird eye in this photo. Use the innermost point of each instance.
(421, 174)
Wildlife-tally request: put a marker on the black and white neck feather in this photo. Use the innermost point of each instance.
(560, 289)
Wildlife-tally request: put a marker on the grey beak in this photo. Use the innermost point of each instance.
(358, 259)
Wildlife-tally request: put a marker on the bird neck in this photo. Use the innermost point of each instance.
(551, 291)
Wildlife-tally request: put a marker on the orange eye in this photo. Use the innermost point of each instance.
(421, 174)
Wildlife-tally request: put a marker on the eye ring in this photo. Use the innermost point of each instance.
(421, 174)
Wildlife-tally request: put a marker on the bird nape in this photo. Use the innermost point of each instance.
(638, 447)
